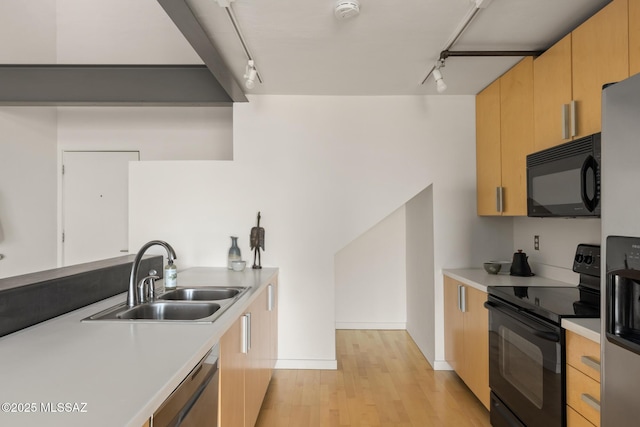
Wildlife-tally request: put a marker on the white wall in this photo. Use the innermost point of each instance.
(27, 190)
(323, 170)
(373, 265)
(28, 143)
(159, 133)
(558, 240)
(119, 32)
(421, 320)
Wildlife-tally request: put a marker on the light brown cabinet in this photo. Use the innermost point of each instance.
(466, 337)
(634, 37)
(568, 78)
(247, 359)
(552, 95)
(504, 137)
(583, 381)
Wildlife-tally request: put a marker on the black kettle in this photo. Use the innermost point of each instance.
(520, 265)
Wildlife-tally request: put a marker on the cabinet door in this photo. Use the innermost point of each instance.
(634, 37)
(551, 91)
(232, 366)
(273, 330)
(453, 327)
(600, 54)
(488, 178)
(516, 134)
(256, 370)
(476, 340)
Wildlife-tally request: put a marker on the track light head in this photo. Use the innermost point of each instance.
(441, 86)
(250, 74)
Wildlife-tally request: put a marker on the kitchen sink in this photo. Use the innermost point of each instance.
(192, 305)
(201, 294)
(160, 310)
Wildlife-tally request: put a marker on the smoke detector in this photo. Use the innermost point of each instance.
(346, 9)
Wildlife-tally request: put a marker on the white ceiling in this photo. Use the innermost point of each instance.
(301, 49)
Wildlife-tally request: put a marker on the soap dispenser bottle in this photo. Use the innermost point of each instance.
(170, 275)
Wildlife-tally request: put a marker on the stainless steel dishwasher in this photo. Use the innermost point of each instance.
(194, 403)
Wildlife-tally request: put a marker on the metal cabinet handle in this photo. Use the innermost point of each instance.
(500, 199)
(573, 122)
(591, 401)
(590, 362)
(249, 327)
(244, 326)
(463, 299)
(459, 297)
(270, 297)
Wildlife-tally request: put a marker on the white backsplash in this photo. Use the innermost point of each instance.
(558, 240)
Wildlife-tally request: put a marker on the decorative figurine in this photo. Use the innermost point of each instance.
(256, 241)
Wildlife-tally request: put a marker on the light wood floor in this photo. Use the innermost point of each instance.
(382, 380)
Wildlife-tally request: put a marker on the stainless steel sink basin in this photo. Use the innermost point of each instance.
(192, 305)
(161, 310)
(201, 294)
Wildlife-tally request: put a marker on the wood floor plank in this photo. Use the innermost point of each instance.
(383, 380)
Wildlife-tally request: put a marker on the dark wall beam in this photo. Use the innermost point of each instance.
(110, 85)
(182, 16)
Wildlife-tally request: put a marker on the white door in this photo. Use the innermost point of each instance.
(95, 187)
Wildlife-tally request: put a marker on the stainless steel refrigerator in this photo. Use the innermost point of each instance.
(620, 386)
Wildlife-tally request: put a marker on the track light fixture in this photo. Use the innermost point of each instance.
(441, 86)
(250, 74)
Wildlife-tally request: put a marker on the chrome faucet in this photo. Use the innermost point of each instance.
(133, 297)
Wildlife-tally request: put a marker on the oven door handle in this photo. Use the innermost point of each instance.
(526, 324)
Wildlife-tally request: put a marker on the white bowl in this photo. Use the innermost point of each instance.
(238, 265)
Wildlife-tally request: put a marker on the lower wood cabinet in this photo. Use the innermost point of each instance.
(247, 358)
(466, 336)
(583, 381)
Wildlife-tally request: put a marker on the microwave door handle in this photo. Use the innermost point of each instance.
(589, 164)
(524, 323)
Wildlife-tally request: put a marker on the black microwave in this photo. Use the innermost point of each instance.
(564, 181)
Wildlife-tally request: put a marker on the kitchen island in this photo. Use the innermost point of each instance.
(111, 373)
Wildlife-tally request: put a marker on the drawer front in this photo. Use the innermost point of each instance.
(583, 395)
(583, 354)
(574, 419)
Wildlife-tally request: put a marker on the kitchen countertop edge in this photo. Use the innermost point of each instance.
(588, 328)
(479, 279)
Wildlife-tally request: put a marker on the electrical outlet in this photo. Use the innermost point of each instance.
(536, 243)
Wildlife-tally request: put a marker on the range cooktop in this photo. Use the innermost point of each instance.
(552, 302)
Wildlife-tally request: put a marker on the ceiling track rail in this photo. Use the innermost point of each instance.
(234, 22)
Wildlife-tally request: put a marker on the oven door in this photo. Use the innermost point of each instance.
(525, 367)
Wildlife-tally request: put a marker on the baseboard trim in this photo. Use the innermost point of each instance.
(331, 365)
(441, 365)
(372, 325)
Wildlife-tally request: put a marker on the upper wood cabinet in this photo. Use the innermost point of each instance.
(516, 135)
(574, 70)
(488, 161)
(600, 54)
(634, 37)
(552, 92)
(504, 136)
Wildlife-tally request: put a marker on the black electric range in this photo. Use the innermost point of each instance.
(526, 344)
(556, 302)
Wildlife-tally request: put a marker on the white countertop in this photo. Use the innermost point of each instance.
(480, 279)
(120, 370)
(588, 328)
